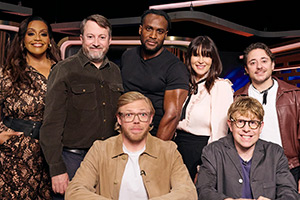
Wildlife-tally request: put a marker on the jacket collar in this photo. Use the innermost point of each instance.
(282, 88)
(285, 87)
(258, 153)
(150, 150)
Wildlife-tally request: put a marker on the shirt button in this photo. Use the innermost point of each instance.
(240, 180)
(104, 120)
(83, 90)
(103, 103)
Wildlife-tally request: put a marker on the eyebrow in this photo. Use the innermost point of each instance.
(35, 29)
(141, 110)
(263, 57)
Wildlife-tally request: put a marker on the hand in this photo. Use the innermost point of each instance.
(60, 183)
(259, 198)
(5, 135)
(263, 198)
(243, 199)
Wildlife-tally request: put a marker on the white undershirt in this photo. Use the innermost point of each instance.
(271, 131)
(132, 186)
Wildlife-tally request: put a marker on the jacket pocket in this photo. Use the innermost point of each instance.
(116, 87)
(84, 96)
(116, 90)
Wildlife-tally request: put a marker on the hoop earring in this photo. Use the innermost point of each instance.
(50, 45)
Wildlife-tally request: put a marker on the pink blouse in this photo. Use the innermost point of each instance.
(206, 114)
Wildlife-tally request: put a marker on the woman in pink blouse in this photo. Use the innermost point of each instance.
(204, 112)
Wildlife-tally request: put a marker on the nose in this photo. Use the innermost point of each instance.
(200, 58)
(136, 119)
(259, 65)
(96, 42)
(153, 34)
(37, 37)
(246, 128)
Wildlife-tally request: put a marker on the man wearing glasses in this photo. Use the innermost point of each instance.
(242, 166)
(133, 165)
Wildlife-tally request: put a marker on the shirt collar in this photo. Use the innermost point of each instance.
(150, 150)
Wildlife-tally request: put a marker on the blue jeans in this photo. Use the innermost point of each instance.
(72, 162)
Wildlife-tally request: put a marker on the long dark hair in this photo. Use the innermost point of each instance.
(208, 49)
(16, 64)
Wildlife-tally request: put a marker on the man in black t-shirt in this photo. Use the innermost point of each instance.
(157, 73)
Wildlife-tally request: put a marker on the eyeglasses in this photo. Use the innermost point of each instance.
(253, 124)
(129, 117)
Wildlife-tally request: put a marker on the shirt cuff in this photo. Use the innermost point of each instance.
(57, 169)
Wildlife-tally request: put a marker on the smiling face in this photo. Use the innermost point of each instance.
(259, 67)
(95, 42)
(200, 64)
(37, 39)
(245, 138)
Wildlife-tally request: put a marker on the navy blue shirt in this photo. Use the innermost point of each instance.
(246, 166)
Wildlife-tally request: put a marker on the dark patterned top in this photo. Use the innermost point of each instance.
(27, 103)
(23, 170)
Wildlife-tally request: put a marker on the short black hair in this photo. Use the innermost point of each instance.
(157, 12)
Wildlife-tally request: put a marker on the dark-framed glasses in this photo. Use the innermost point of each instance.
(240, 123)
(129, 117)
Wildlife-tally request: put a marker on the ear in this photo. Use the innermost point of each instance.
(151, 118)
(246, 69)
(119, 119)
(140, 30)
(261, 127)
(166, 34)
(81, 37)
(273, 65)
(109, 42)
(229, 123)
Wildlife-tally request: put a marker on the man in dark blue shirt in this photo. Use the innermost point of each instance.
(158, 74)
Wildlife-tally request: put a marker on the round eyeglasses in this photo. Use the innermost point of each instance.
(240, 123)
(129, 117)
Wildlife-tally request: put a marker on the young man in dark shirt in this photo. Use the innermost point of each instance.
(157, 73)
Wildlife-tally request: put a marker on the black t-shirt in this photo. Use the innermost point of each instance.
(153, 77)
